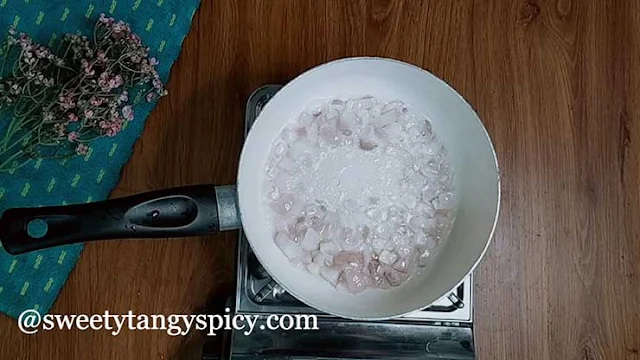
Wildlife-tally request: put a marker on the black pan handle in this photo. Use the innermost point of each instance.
(184, 211)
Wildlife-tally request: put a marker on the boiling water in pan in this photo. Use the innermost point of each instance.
(360, 192)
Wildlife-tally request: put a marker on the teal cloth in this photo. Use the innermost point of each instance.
(33, 281)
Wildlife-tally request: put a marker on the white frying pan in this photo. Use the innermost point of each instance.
(206, 209)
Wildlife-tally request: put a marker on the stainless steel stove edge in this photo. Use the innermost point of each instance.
(356, 340)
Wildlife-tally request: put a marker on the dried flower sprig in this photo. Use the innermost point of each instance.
(58, 102)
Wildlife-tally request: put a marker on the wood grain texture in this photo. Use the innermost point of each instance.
(557, 84)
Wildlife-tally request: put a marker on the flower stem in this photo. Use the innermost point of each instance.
(10, 159)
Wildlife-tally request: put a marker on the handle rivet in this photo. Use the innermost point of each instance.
(37, 228)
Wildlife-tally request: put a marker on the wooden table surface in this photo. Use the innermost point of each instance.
(557, 83)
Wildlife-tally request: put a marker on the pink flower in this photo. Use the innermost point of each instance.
(103, 81)
(135, 38)
(95, 101)
(113, 129)
(88, 113)
(106, 20)
(114, 82)
(146, 68)
(127, 112)
(104, 124)
(151, 96)
(104, 77)
(42, 52)
(102, 57)
(72, 136)
(67, 102)
(108, 83)
(124, 96)
(157, 83)
(153, 61)
(115, 117)
(119, 29)
(72, 117)
(82, 149)
(88, 67)
(25, 42)
(59, 128)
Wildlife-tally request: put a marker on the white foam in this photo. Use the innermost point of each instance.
(363, 180)
(348, 173)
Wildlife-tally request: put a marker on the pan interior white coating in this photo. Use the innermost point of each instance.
(457, 126)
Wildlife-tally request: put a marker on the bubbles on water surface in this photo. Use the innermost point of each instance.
(359, 192)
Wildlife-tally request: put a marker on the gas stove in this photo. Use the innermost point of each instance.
(444, 330)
